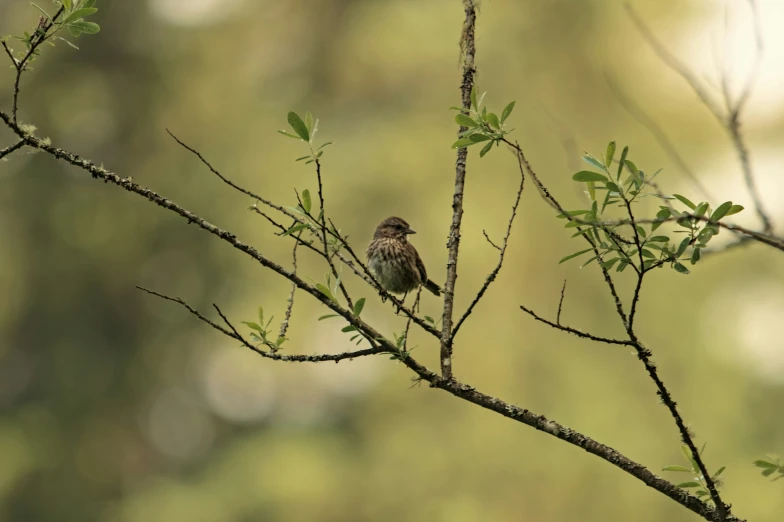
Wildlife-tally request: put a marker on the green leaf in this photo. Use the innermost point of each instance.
(587, 175)
(486, 149)
(609, 264)
(647, 253)
(572, 256)
(701, 209)
(295, 228)
(290, 135)
(479, 103)
(68, 5)
(734, 209)
(593, 161)
(358, 306)
(613, 187)
(680, 268)
(507, 111)
(701, 493)
(492, 119)
(349, 328)
(572, 213)
(430, 319)
(88, 3)
(682, 469)
(622, 265)
(721, 211)
(609, 154)
(299, 126)
(765, 464)
(465, 121)
(85, 27)
(326, 291)
(690, 484)
(683, 246)
(309, 122)
(658, 239)
(624, 153)
(327, 316)
(768, 472)
(476, 138)
(463, 143)
(80, 13)
(306, 202)
(721, 470)
(252, 325)
(695, 256)
(685, 201)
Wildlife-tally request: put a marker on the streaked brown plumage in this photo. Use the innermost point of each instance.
(394, 261)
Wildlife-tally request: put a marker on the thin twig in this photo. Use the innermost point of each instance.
(408, 321)
(558, 326)
(284, 325)
(11, 148)
(37, 39)
(502, 251)
(729, 116)
(468, 49)
(649, 123)
(560, 304)
(767, 239)
(368, 277)
(523, 163)
(269, 355)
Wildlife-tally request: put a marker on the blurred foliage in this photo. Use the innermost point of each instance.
(118, 407)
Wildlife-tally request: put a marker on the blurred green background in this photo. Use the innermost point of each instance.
(115, 406)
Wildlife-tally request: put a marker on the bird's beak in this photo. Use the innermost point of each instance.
(410, 231)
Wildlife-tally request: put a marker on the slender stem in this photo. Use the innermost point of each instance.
(468, 47)
(37, 39)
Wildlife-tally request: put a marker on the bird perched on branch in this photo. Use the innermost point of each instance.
(395, 262)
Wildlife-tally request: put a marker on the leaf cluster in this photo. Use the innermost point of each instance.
(628, 242)
(261, 332)
(305, 130)
(71, 16)
(698, 480)
(770, 466)
(481, 126)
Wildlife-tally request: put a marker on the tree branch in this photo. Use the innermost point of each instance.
(11, 148)
(729, 115)
(501, 252)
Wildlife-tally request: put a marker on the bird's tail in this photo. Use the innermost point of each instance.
(434, 288)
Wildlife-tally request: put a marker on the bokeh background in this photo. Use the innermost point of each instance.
(115, 406)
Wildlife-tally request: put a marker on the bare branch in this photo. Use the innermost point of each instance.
(11, 148)
(558, 326)
(284, 325)
(37, 39)
(649, 123)
(502, 251)
(560, 304)
(468, 49)
(541, 423)
(676, 65)
(269, 355)
(729, 115)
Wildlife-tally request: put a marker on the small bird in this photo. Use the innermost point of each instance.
(395, 262)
